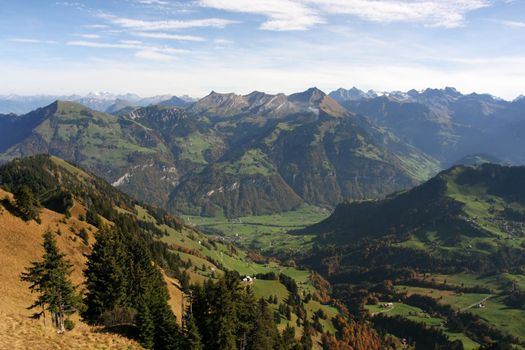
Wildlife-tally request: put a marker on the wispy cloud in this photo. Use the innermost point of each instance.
(167, 36)
(142, 51)
(102, 45)
(440, 13)
(512, 24)
(223, 41)
(153, 2)
(154, 55)
(144, 25)
(281, 14)
(303, 14)
(89, 36)
(96, 26)
(33, 41)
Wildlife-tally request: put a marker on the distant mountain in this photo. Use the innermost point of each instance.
(228, 154)
(477, 159)
(24, 104)
(174, 101)
(112, 147)
(447, 124)
(102, 101)
(279, 151)
(352, 94)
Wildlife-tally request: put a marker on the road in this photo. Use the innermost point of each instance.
(476, 303)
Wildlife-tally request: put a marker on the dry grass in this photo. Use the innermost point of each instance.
(19, 332)
(20, 244)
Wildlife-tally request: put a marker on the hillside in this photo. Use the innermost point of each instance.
(72, 201)
(106, 145)
(450, 252)
(226, 155)
(20, 244)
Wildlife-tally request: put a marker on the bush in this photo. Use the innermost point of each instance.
(69, 325)
(84, 236)
(119, 316)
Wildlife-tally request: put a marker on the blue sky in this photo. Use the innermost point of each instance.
(192, 47)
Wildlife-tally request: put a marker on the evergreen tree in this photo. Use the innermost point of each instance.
(50, 278)
(306, 339)
(121, 275)
(106, 276)
(27, 204)
(145, 325)
(193, 337)
(265, 335)
(288, 338)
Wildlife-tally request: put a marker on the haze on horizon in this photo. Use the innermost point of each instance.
(191, 47)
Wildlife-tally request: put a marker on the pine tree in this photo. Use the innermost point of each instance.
(288, 338)
(145, 326)
(106, 276)
(50, 278)
(306, 339)
(193, 338)
(26, 203)
(265, 335)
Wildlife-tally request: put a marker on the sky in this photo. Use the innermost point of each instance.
(192, 47)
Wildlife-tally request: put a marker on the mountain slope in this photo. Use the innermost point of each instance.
(117, 149)
(227, 154)
(74, 200)
(472, 215)
(448, 254)
(320, 155)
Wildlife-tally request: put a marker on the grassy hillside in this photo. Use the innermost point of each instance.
(453, 248)
(189, 256)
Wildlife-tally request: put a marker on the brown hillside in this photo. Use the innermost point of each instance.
(20, 244)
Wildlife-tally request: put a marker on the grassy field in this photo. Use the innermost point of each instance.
(416, 314)
(508, 320)
(267, 233)
(236, 259)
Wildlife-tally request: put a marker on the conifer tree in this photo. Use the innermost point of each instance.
(193, 337)
(265, 335)
(106, 276)
(145, 325)
(27, 203)
(50, 279)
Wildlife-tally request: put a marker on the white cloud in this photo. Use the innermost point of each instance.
(96, 26)
(154, 55)
(32, 41)
(103, 45)
(167, 36)
(153, 2)
(141, 51)
(281, 14)
(303, 14)
(144, 25)
(89, 36)
(512, 24)
(223, 41)
(131, 42)
(442, 13)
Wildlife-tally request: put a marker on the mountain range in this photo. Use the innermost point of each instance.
(238, 155)
(99, 101)
(446, 124)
